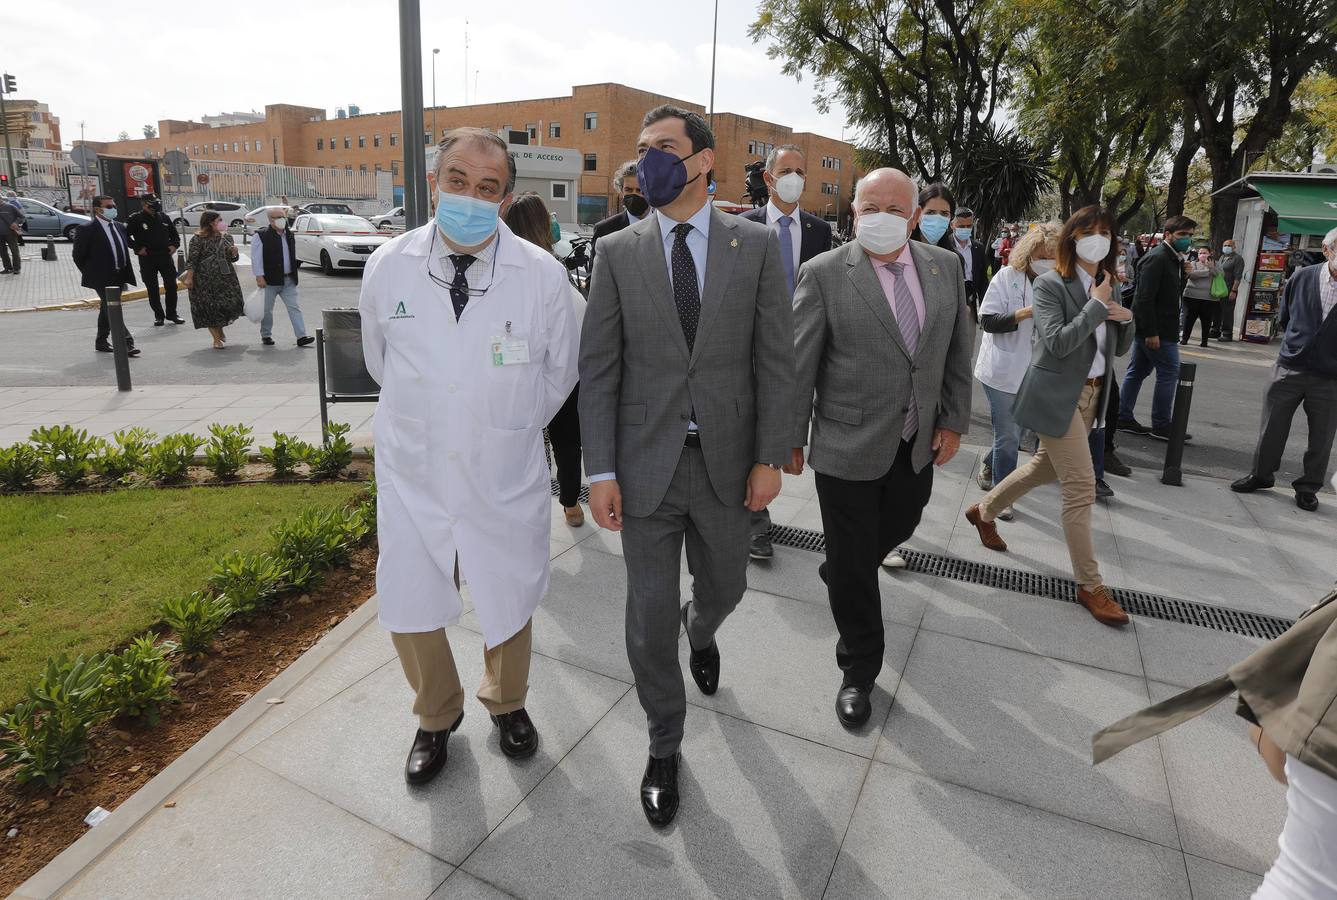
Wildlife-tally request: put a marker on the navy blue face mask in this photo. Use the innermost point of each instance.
(662, 176)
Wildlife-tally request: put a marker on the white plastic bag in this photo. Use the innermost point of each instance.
(255, 305)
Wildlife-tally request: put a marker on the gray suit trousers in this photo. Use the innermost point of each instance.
(1288, 391)
(717, 542)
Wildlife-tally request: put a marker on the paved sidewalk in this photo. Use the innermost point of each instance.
(973, 778)
(166, 409)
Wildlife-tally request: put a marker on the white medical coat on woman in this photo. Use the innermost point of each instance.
(459, 440)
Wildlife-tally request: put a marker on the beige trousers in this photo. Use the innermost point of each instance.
(1067, 459)
(430, 669)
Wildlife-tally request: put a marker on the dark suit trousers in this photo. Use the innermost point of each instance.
(1288, 390)
(151, 266)
(1204, 312)
(864, 521)
(104, 323)
(9, 247)
(564, 435)
(716, 537)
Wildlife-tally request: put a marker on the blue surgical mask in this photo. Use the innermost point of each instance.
(110, 213)
(933, 226)
(1227, 250)
(662, 176)
(962, 234)
(466, 220)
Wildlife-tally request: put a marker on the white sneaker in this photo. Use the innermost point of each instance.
(1006, 514)
(894, 560)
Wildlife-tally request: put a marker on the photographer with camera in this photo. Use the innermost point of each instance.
(154, 240)
(802, 236)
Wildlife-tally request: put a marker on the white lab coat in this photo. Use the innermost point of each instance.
(459, 441)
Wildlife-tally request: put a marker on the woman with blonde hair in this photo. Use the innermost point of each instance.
(1005, 348)
(211, 279)
(1080, 327)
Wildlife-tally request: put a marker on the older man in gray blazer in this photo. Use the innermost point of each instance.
(883, 342)
(686, 404)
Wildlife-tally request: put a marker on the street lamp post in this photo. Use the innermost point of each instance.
(435, 51)
(410, 87)
(713, 40)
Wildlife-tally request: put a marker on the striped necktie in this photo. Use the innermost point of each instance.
(907, 319)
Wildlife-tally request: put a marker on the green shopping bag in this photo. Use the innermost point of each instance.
(1220, 290)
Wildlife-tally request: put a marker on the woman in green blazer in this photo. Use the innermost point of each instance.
(1080, 327)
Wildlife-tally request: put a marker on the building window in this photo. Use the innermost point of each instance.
(591, 121)
(195, 151)
(348, 170)
(361, 141)
(348, 143)
(394, 167)
(533, 132)
(320, 143)
(751, 148)
(591, 162)
(554, 130)
(215, 149)
(334, 142)
(376, 140)
(362, 169)
(559, 190)
(234, 146)
(831, 189)
(394, 139)
(378, 169)
(257, 145)
(426, 138)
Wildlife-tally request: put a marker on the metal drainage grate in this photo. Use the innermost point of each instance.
(1154, 606)
(584, 491)
(1140, 603)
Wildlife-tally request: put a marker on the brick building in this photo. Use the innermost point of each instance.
(600, 120)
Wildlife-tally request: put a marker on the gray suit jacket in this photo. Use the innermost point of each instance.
(852, 357)
(639, 385)
(1065, 345)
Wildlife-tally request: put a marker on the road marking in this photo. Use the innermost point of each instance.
(1261, 363)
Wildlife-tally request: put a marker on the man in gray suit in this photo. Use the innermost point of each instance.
(883, 343)
(686, 405)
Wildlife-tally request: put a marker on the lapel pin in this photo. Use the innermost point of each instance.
(734, 242)
(933, 270)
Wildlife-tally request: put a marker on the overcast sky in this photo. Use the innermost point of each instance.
(153, 60)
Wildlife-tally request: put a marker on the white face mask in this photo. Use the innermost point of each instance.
(1041, 266)
(1093, 248)
(279, 224)
(882, 233)
(789, 187)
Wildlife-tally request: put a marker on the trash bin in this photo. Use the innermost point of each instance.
(345, 367)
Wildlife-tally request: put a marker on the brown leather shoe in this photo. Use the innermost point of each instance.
(575, 516)
(989, 535)
(1101, 605)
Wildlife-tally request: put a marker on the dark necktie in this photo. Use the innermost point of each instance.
(116, 251)
(459, 288)
(686, 294)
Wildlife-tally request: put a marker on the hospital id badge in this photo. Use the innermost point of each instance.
(509, 350)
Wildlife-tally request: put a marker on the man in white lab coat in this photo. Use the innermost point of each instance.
(470, 332)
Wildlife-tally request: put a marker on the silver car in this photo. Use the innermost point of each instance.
(43, 221)
(392, 219)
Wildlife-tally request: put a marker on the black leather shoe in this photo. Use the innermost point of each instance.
(428, 754)
(853, 706)
(1162, 433)
(821, 572)
(103, 348)
(1133, 426)
(703, 664)
(760, 547)
(1306, 500)
(1250, 483)
(519, 737)
(133, 351)
(1103, 490)
(659, 790)
(305, 341)
(176, 320)
(158, 323)
(268, 342)
(1116, 466)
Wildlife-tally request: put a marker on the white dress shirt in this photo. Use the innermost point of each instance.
(773, 215)
(1098, 363)
(119, 251)
(967, 258)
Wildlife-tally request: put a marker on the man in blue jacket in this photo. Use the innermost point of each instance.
(1305, 372)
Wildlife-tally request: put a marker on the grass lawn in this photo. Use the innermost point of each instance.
(84, 573)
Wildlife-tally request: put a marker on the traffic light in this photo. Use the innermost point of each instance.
(4, 180)
(9, 83)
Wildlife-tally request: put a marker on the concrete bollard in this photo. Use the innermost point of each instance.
(1172, 473)
(120, 351)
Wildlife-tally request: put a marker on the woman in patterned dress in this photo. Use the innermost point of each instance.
(215, 293)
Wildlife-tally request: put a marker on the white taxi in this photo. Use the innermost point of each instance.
(336, 242)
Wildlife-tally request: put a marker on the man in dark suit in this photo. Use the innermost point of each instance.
(686, 405)
(633, 209)
(974, 262)
(102, 255)
(154, 240)
(1305, 374)
(802, 236)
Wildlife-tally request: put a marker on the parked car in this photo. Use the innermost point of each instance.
(392, 219)
(259, 217)
(233, 213)
(327, 209)
(336, 242)
(44, 220)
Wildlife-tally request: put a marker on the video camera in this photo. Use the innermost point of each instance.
(755, 185)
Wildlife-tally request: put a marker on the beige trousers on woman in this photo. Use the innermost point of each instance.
(1067, 459)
